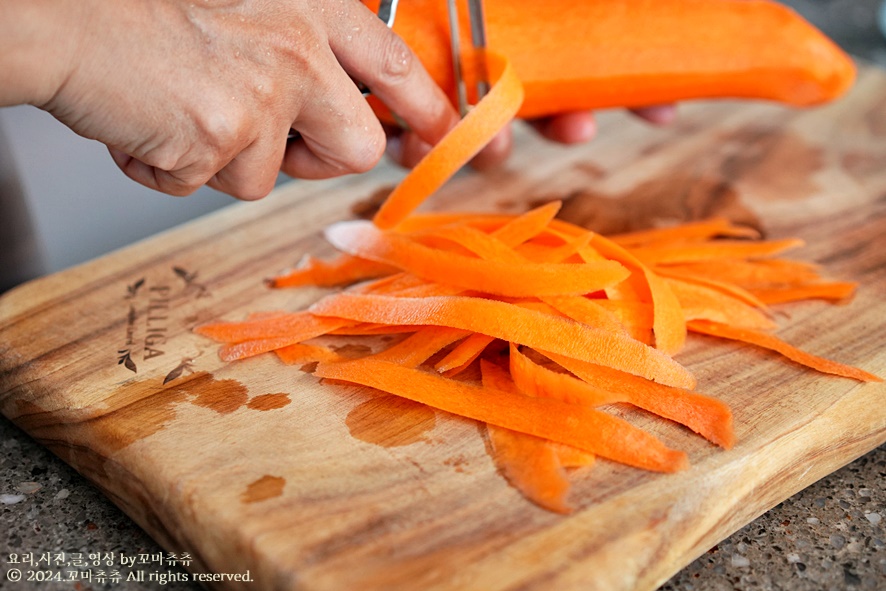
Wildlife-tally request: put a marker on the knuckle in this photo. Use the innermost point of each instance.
(366, 153)
(397, 61)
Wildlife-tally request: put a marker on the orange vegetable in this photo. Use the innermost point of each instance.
(513, 324)
(515, 278)
(768, 341)
(461, 144)
(597, 54)
(572, 424)
(547, 410)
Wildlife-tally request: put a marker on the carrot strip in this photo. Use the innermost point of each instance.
(513, 324)
(572, 457)
(707, 416)
(572, 424)
(483, 245)
(534, 380)
(525, 226)
(837, 290)
(302, 325)
(505, 278)
(491, 114)
(463, 354)
(532, 465)
(703, 303)
(729, 289)
(760, 273)
(662, 254)
(344, 270)
(302, 353)
(419, 346)
(773, 343)
(586, 311)
(668, 321)
(696, 230)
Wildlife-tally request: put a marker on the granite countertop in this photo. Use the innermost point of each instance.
(830, 536)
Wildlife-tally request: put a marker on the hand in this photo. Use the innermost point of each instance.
(186, 93)
(569, 128)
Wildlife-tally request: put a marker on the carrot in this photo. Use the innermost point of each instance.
(302, 325)
(668, 320)
(707, 416)
(458, 146)
(420, 345)
(720, 249)
(773, 343)
(755, 274)
(513, 324)
(507, 278)
(836, 290)
(299, 353)
(531, 464)
(534, 380)
(703, 303)
(574, 56)
(344, 270)
(463, 354)
(726, 288)
(572, 424)
(699, 230)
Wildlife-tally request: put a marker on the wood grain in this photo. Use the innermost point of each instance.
(255, 466)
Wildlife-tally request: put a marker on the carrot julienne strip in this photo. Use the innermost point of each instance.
(836, 290)
(343, 270)
(491, 114)
(707, 416)
(464, 353)
(773, 343)
(512, 323)
(661, 254)
(301, 325)
(572, 424)
(698, 230)
(506, 278)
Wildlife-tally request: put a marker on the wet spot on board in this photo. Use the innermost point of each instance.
(269, 402)
(222, 396)
(773, 165)
(390, 421)
(658, 202)
(266, 487)
(309, 367)
(352, 351)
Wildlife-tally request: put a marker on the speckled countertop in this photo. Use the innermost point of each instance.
(829, 537)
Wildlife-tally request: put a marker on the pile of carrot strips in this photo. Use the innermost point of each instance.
(543, 371)
(534, 326)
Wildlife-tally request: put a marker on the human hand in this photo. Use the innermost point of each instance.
(189, 93)
(568, 128)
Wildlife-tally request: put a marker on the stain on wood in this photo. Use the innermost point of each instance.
(269, 401)
(391, 421)
(266, 487)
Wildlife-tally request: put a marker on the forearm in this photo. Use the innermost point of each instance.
(37, 48)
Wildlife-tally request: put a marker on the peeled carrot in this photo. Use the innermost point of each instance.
(589, 55)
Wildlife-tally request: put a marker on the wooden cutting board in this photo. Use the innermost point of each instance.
(255, 466)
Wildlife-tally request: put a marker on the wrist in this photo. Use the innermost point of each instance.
(38, 40)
